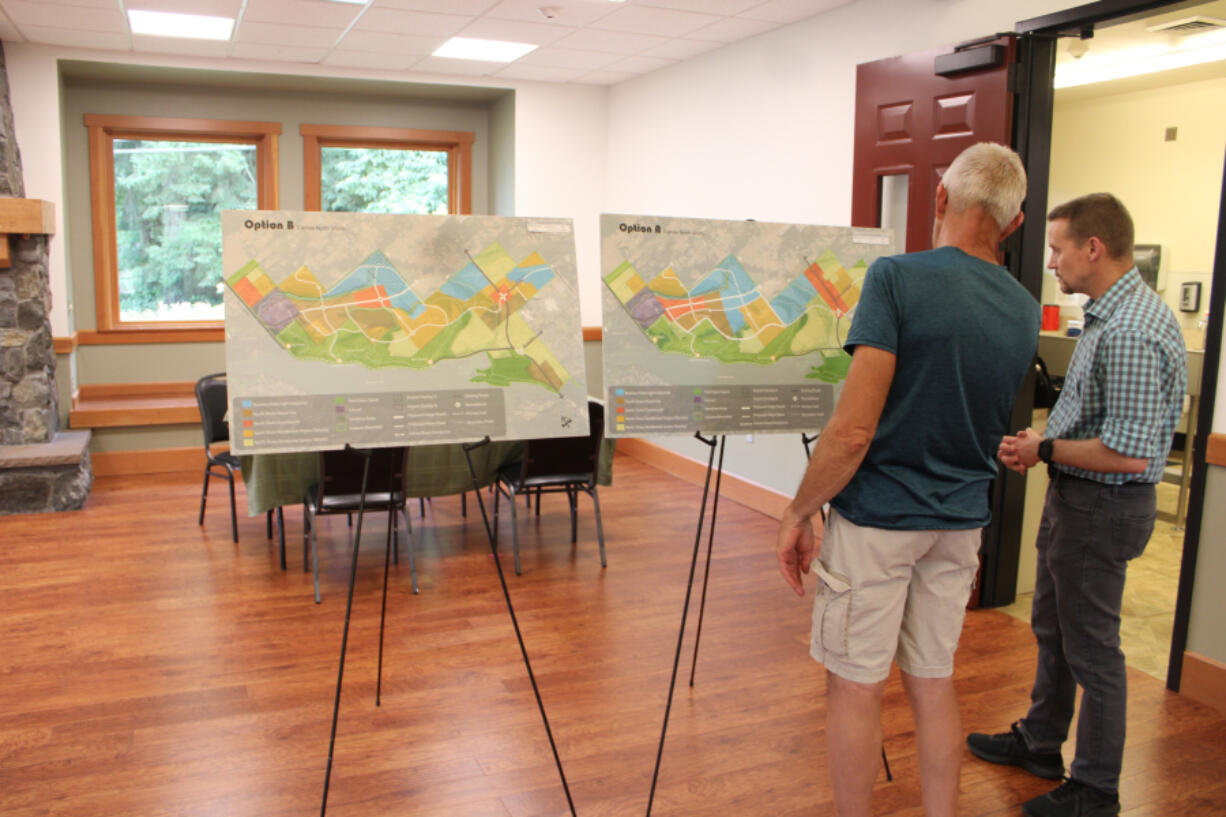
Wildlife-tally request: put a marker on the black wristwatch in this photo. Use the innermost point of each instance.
(1045, 450)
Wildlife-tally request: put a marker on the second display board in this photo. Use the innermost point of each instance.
(727, 326)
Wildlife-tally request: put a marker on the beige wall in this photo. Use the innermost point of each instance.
(1116, 143)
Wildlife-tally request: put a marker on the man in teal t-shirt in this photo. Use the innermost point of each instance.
(940, 342)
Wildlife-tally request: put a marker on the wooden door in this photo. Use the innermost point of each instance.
(911, 123)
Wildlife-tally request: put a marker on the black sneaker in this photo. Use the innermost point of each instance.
(1073, 798)
(1010, 748)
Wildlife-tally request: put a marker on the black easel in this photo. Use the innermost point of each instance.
(353, 570)
(807, 440)
(506, 594)
(689, 586)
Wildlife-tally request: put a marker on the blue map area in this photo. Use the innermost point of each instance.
(536, 274)
(791, 303)
(465, 283)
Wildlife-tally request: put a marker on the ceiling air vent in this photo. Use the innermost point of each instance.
(1189, 25)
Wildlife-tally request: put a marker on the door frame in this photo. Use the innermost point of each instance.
(1038, 38)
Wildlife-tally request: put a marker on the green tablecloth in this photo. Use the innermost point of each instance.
(273, 480)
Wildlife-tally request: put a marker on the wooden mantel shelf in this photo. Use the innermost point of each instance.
(23, 217)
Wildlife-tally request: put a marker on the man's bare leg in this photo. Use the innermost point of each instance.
(938, 734)
(853, 743)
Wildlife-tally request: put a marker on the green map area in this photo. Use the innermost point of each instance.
(373, 318)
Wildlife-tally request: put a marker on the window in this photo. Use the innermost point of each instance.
(387, 170)
(158, 187)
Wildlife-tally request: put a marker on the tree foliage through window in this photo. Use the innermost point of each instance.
(376, 180)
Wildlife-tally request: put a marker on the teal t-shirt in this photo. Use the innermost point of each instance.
(965, 332)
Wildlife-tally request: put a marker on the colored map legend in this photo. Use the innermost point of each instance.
(681, 409)
(271, 424)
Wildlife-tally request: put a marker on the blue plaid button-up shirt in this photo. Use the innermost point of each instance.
(1126, 380)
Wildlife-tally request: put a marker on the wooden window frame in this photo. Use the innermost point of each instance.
(457, 144)
(103, 131)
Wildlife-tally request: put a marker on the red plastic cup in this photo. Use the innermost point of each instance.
(1051, 317)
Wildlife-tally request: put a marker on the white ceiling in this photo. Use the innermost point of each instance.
(587, 41)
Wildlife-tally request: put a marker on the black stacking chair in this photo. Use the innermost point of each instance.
(339, 491)
(212, 400)
(556, 465)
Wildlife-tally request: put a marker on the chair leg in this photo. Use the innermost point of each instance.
(387, 552)
(281, 533)
(514, 534)
(573, 498)
(315, 561)
(308, 523)
(464, 504)
(233, 511)
(421, 501)
(538, 501)
(497, 495)
(408, 539)
(268, 523)
(599, 529)
(394, 531)
(204, 495)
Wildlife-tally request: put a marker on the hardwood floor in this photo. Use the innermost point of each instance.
(153, 667)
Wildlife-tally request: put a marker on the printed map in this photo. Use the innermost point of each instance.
(728, 325)
(399, 329)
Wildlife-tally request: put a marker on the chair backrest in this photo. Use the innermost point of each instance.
(555, 456)
(211, 399)
(340, 472)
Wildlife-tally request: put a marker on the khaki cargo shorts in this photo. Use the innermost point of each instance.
(886, 595)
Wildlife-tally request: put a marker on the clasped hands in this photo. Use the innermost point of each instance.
(1020, 452)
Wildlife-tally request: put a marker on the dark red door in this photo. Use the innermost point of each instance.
(911, 122)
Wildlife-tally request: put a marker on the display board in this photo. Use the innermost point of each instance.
(379, 330)
(727, 326)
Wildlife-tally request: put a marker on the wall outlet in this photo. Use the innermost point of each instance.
(748, 438)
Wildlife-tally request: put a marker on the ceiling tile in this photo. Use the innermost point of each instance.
(643, 20)
(368, 59)
(605, 77)
(77, 38)
(721, 7)
(682, 49)
(179, 45)
(614, 42)
(108, 4)
(302, 12)
(515, 31)
(731, 29)
(276, 34)
(640, 65)
(567, 58)
(57, 15)
(540, 73)
(213, 8)
(473, 7)
(789, 11)
(383, 43)
(446, 65)
(411, 22)
(570, 12)
(286, 53)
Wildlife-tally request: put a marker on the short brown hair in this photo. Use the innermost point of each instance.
(1101, 216)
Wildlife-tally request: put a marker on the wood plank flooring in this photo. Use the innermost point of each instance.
(152, 667)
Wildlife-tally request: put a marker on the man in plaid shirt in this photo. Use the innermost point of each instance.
(1105, 447)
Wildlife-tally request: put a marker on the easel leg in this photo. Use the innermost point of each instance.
(506, 595)
(689, 586)
(340, 674)
(706, 575)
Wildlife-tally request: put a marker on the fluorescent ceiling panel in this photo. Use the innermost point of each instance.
(173, 24)
(468, 48)
(1195, 50)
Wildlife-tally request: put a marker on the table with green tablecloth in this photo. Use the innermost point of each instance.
(274, 480)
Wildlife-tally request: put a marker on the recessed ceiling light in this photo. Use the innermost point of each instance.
(467, 48)
(173, 24)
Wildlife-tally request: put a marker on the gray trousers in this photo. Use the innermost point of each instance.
(1088, 534)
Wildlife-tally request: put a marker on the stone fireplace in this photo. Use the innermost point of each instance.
(41, 468)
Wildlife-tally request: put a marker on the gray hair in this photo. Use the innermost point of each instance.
(988, 175)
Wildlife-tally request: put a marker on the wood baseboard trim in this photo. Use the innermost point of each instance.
(738, 489)
(149, 461)
(64, 345)
(1215, 452)
(1204, 681)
